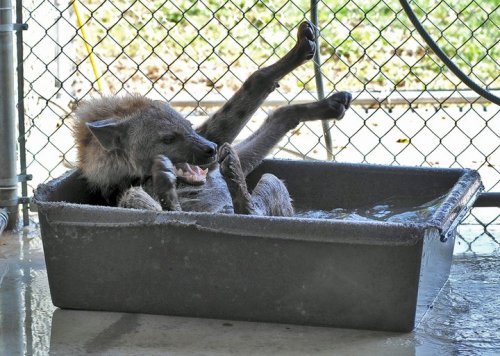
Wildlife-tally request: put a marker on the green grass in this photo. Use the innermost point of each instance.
(364, 44)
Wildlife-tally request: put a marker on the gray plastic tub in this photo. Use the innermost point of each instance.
(342, 273)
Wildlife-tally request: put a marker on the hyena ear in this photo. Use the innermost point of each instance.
(110, 133)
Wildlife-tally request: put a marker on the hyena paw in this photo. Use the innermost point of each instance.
(306, 45)
(343, 98)
(163, 172)
(337, 104)
(229, 164)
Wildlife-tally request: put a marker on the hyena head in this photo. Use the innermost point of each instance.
(122, 137)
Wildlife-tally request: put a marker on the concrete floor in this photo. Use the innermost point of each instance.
(465, 320)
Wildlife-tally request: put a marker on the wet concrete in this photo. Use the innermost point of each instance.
(465, 319)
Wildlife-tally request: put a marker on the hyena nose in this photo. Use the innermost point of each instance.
(210, 149)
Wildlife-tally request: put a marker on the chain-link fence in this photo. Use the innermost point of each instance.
(409, 109)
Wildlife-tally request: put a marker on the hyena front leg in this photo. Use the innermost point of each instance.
(270, 197)
(228, 121)
(255, 148)
(164, 180)
(158, 193)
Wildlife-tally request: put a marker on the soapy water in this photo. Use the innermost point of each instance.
(395, 209)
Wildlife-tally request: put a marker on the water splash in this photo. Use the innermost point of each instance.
(395, 209)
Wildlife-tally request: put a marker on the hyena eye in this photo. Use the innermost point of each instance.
(167, 139)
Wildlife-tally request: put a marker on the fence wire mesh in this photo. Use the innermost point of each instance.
(408, 110)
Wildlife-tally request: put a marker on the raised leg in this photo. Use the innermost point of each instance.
(270, 197)
(228, 121)
(255, 148)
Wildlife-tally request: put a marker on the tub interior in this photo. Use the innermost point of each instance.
(326, 186)
(316, 186)
(72, 187)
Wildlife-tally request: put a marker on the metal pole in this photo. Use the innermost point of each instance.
(8, 175)
(488, 200)
(319, 80)
(20, 109)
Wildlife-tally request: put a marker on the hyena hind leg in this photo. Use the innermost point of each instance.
(257, 146)
(226, 124)
(270, 197)
(271, 194)
(137, 198)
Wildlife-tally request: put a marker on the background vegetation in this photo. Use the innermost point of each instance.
(364, 44)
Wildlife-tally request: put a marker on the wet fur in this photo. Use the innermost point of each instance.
(105, 169)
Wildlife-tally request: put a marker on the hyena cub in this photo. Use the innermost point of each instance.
(141, 153)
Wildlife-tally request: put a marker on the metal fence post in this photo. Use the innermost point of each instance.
(8, 175)
(23, 176)
(318, 76)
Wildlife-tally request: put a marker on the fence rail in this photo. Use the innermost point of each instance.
(364, 99)
(409, 109)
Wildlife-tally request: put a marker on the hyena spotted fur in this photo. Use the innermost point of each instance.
(140, 153)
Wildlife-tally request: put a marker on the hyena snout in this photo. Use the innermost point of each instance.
(210, 150)
(203, 149)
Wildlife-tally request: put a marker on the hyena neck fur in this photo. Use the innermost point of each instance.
(106, 171)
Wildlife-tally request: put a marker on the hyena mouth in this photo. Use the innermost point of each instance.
(191, 174)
